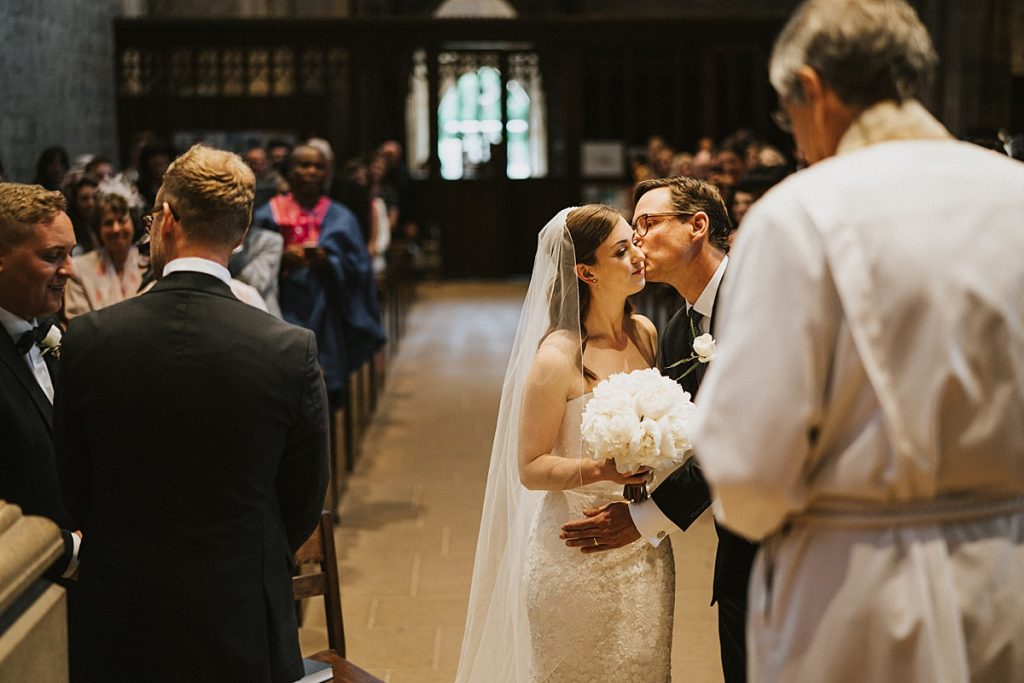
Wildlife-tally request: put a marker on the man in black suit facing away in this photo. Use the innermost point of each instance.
(192, 446)
(36, 239)
(682, 226)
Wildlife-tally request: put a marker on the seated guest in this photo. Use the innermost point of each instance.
(111, 273)
(257, 263)
(192, 445)
(268, 181)
(749, 189)
(326, 276)
(51, 167)
(100, 168)
(81, 202)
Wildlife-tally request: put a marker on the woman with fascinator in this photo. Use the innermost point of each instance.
(538, 610)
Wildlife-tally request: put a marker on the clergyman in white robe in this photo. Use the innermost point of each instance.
(864, 414)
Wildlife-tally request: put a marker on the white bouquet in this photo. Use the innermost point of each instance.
(639, 419)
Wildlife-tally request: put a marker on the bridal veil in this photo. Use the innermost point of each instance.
(496, 645)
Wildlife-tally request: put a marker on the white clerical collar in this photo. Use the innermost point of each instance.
(195, 264)
(15, 325)
(705, 303)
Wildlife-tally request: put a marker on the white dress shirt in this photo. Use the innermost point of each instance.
(648, 518)
(196, 264)
(16, 327)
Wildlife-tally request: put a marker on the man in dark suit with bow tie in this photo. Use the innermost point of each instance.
(36, 239)
(192, 446)
(682, 226)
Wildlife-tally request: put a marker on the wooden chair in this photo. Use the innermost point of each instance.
(319, 550)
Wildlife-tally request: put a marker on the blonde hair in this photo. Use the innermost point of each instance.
(211, 191)
(22, 207)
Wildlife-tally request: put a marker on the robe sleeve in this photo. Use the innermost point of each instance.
(761, 401)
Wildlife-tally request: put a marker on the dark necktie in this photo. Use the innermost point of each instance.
(33, 336)
(695, 319)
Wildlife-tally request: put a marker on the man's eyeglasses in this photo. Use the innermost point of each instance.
(148, 219)
(643, 222)
(782, 120)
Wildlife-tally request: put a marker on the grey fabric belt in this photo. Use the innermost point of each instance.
(935, 511)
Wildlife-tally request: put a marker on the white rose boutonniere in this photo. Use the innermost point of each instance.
(704, 347)
(50, 344)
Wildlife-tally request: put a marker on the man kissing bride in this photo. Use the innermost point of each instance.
(539, 609)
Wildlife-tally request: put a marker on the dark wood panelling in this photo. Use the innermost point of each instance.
(603, 78)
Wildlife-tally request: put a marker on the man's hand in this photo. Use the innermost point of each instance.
(294, 256)
(605, 528)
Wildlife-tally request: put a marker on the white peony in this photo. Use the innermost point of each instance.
(639, 419)
(644, 445)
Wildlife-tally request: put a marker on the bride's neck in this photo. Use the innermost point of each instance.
(606, 319)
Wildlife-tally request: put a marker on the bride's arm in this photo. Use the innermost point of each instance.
(554, 378)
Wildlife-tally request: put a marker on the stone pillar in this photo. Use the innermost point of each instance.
(57, 83)
(33, 611)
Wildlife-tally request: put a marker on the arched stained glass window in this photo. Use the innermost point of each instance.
(472, 126)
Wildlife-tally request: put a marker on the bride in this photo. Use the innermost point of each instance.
(538, 610)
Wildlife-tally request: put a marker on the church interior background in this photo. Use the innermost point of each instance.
(496, 104)
(508, 111)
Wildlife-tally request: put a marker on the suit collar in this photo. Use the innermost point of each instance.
(191, 280)
(10, 357)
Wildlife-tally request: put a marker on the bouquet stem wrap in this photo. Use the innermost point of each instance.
(635, 493)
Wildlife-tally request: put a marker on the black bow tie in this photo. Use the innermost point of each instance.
(33, 336)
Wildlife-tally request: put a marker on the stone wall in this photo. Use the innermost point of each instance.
(56, 80)
(239, 9)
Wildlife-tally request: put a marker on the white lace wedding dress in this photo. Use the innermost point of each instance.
(600, 617)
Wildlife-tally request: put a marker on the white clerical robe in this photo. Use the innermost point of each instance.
(864, 414)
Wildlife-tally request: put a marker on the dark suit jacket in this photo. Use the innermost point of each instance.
(192, 446)
(685, 494)
(28, 471)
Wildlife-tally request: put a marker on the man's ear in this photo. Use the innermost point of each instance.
(810, 84)
(167, 221)
(241, 239)
(701, 224)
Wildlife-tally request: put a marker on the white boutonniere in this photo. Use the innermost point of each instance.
(704, 348)
(50, 344)
(703, 352)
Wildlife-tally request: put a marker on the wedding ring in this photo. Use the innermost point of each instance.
(594, 540)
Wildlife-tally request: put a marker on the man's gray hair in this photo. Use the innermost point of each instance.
(866, 51)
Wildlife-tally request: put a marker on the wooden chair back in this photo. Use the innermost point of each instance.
(319, 549)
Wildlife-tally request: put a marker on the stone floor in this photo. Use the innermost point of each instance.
(410, 516)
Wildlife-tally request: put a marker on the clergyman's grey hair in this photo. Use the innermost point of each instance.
(866, 51)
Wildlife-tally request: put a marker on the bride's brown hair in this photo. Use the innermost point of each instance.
(586, 229)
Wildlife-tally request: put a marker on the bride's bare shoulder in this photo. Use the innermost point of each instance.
(557, 357)
(647, 330)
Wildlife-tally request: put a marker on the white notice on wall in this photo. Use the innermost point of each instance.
(602, 159)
